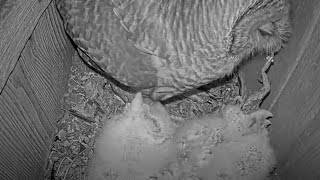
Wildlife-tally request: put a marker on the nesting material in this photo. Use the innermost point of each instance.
(90, 102)
(139, 144)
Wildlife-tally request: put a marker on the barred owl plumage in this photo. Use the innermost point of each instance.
(167, 47)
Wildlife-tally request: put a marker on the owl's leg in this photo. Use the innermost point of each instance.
(253, 101)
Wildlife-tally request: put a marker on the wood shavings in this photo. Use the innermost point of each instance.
(210, 99)
(90, 100)
(87, 101)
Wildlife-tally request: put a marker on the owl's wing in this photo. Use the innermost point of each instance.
(98, 33)
(143, 25)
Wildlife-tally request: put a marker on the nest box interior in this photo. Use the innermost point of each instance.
(35, 55)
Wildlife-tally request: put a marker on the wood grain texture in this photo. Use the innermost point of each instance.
(295, 128)
(18, 18)
(304, 159)
(295, 95)
(298, 106)
(30, 100)
(24, 141)
(46, 61)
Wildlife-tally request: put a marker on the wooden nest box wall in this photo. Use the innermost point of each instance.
(35, 60)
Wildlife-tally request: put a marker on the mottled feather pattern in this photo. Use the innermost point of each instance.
(183, 39)
(174, 46)
(97, 31)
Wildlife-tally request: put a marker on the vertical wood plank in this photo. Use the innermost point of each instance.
(295, 95)
(18, 19)
(304, 159)
(30, 100)
(46, 61)
(304, 18)
(24, 142)
(296, 107)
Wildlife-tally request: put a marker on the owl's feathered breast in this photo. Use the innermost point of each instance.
(161, 43)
